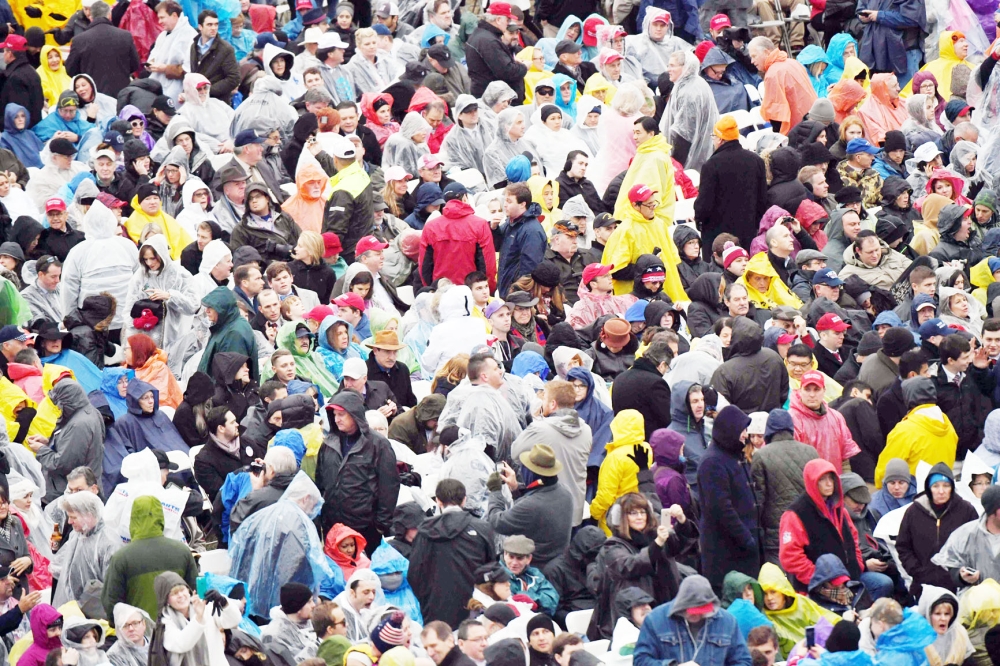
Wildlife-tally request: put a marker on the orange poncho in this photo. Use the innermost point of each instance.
(788, 93)
(304, 210)
(881, 112)
(845, 96)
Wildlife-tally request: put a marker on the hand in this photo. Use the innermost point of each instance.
(19, 565)
(662, 534)
(271, 331)
(677, 513)
(387, 409)
(218, 601)
(639, 457)
(981, 359)
(159, 295)
(850, 616)
(70, 657)
(141, 168)
(72, 137)
(226, 147)
(36, 442)
(315, 148)
(801, 329)
(198, 605)
(815, 652)
(794, 225)
(29, 601)
(257, 480)
(494, 482)
(970, 576)
(874, 564)
(509, 477)
(155, 67)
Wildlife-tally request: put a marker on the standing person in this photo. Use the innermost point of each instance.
(214, 58)
(356, 472)
(170, 56)
(730, 166)
(447, 549)
(730, 531)
(22, 84)
(893, 41)
(229, 331)
(349, 209)
(104, 52)
(788, 93)
(457, 243)
(642, 388)
(777, 473)
(192, 628)
(753, 378)
(925, 433)
(819, 426)
(488, 55)
(521, 237)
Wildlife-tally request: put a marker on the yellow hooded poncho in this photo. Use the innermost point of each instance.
(597, 83)
(177, 237)
(777, 293)
(981, 277)
(636, 236)
(536, 184)
(11, 395)
(791, 622)
(534, 75)
(852, 68)
(942, 66)
(619, 475)
(44, 423)
(53, 82)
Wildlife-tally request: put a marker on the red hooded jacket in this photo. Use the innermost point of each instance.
(455, 244)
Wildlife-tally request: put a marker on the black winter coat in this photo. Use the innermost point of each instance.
(397, 379)
(199, 389)
(488, 60)
(574, 573)
(212, 464)
(731, 169)
(643, 388)
(272, 246)
(315, 277)
(967, 406)
(570, 187)
(891, 407)
(786, 191)
(22, 85)
(219, 66)
(107, 54)
(446, 551)
(237, 397)
(753, 378)
(705, 308)
(377, 394)
(859, 414)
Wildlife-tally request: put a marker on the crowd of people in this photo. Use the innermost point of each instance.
(505, 335)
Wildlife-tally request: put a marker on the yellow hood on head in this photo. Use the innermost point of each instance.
(628, 428)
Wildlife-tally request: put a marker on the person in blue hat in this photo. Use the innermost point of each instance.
(857, 170)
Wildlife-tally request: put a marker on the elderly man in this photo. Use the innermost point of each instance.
(788, 93)
(488, 56)
(843, 230)
(873, 261)
(781, 245)
(231, 183)
(572, 64)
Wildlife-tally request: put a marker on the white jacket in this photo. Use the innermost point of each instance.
(457, 333)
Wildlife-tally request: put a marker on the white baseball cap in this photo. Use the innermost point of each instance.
(312, 36)
(926, 152)
(355, 368)
(330, 40)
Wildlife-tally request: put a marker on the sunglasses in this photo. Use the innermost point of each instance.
(547, 92)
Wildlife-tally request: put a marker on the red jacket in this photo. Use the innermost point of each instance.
(455, 244)
(793, 535)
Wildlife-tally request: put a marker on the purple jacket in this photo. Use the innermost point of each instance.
(668, 473)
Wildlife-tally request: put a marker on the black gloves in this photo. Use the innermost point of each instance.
(218, 601)
(639, 457)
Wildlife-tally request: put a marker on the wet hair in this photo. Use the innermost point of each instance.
(450, 492)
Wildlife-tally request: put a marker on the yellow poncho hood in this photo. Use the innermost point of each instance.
(777, 293)
(177, 237)
(791, 622)
(536, 184)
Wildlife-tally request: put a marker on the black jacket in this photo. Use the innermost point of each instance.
(377, 394)
(570, 187)
(574, 573)
(107, 54)
(357, 474)
(642, 388)
(731, 169)
(786, 191)
(967, 405)
(398, 380)
(218, 65)
(587, 70)
(199, 389)
(891, 407)
(235, 396)
(688, 269)
(488, 60)
(59, 243)
(446, 551)
(349, 216)
(274, 245)
(827, 362)
(212, 464)
(705, 308)
(315, 277)
(860, 415)
(22, 85)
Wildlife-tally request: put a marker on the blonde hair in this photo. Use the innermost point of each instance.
(849, 122)
(389, 196)
(454, 371)
(286, 305)
(312, 243)
(151, 229)
(363, 33)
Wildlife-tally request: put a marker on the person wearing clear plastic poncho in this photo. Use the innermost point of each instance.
(204, 113)
(133, 629)
(496, 94)
(465, 145)
(265, 103)
(507, 144)
(691, 113)
(26, 499)
(279, 545)
(21, 461)
(656, 43)
(86, 637)
(86, 554)
(408, 145)
(142, 477)
(549, 139)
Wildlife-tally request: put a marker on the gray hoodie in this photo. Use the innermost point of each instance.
(694, 591)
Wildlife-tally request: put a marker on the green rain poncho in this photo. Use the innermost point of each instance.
(13, 308)
(308, 366)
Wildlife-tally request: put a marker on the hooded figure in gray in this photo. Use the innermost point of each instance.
(78, 439)
(504, 147)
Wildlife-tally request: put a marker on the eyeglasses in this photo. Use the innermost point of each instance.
(803, 365)
(136, 624)
(652, 203)
(635, 513)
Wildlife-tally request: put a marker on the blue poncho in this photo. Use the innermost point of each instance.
(83, 368)
(22, 143)
(597, 415)
(109, 387)
(392, 569)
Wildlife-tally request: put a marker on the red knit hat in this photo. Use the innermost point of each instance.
(731, 252)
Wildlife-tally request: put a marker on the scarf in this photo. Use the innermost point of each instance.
(527, 331)
(231, 448)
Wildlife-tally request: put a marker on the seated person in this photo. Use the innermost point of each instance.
(525, 579)
(790, 612)
(966, 554)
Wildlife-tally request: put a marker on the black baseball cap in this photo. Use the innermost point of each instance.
(567, 46)
(163, 460)
(604, 220)
(166, 105)
(440, 53)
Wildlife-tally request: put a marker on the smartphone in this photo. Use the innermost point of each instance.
(664, 518)
(256, 468)
(499, 468)
(810, 636)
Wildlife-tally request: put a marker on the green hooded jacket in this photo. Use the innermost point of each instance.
(134, 568)
(230, 333)
(308, 366)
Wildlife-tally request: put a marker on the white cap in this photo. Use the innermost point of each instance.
(107, 152)
(312, 36)
(329, 40)
(343, 147)
(89, 3)
(355, 368)
(396, 172)
(926, 152)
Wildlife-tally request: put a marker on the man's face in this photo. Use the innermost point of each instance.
(960, 364)
(431, 174)
(516, 130)
(964, 230)
(501, 321)
(832, 340)
(473, 646)
(768, 650)
(231, 428)
(825, 290)
(782, 244)
(166, 20)
(270, 306)
(235, 191)
(313, 80)
(798, 366)
(738, 302)
(105, 168)
(820, 187)
(516, 563)
(852, 225)
(870, 252)
(640, 134)
(437, 649)
(863, 159)
(363, 594)
(254, 284)
(49, 279)
(282, 282)
(349, 119)
(210, 28)
(613, 70)
(715, 72)
(252, 153)
(481, 292)
(991, 341)
(373, 261)
(57, 219)
(284, 368)
(442, 16)
(812, 397)
(433, 117)
(513, 207)
(757, 57)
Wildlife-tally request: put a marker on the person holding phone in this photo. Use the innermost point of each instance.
(966, 554)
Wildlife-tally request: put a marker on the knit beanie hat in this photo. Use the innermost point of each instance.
(848, 194)
(896, 470)
(548, 110)
(540, 621)
(388, 633)
(758, 423)
(731, 252)
(897, 341)
(991, 500)
(778, 420)
(870, 344)
(822, 111)
(293, 597)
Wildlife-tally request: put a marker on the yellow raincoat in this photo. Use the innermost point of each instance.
(925, 433)
(552, 215)
(619, 475)
(777, 293)
(177, 237)
(597, 83)
(53, 83)
(942, 66)
(853, 67)
(636, 236)
(534, 74)
(44, 423)
(981, 277)
(11, 395)
(51, 14)
(791, 622)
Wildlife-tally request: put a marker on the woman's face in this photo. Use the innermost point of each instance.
(821, 138)
(180, 599)
(146, 402)
(502, 590)
(554, 122)
(384, 114)
(667, 320)
(134, 629)
(970, 168)
(580, 389)
(959, 282)
(53, 59)
(599, 95)
(522, 315)
(399, 188)
(725, 336)
(419, 137)
(944, 188)
(368, 47)
(361, 290)
(341, 338)
(758, 282)
(4, 186)
(538, 60)
(855, 131)
(573, 32)
(929, 108)
(83, 89)
(547, 196)
(637, 519)
(928, 88)
(567, 91)
(849, 51)
(150, 259)
(24, 504)
(940, 492)
(959, 305)
(903, 200)
(122, 384)
(774, 600)
(495, 208)
(20, 120)
(941, 618)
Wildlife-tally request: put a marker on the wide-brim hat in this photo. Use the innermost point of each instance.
(385, 340)
(541, 460)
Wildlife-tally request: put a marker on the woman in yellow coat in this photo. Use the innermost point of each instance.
(534, 58)
(619, 471)
(952, 50)
(764, 287)
(545, 193)
(146, 209)
(52, 71)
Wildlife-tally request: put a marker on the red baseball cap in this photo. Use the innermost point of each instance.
(813, 377)
(350, 300)
(331, 245)
(14, 42)
(110, 200)
(704, 609)
(720, 21)
(659, 15)
(640, 193)
(590, 30)
(609, 55)
(832, 322)
(54, 203)
(499, 9)
(594, 271)
(368, 244)
(319, 313)
(786, 339)
(840, 580)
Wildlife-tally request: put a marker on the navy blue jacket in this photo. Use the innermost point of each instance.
(522, 247)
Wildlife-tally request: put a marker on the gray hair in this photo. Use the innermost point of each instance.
(658, 352)
(281, 459)
(762, 43)
(83, 472)
(100, 9)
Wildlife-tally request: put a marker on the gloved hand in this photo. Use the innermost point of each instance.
(269, 247)
(218, 601)
(284, 250)
(494, 482)
(23, 419)
(639, 457)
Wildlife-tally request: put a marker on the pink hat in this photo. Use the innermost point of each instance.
(609, 55)
(367, 244)
(640, 193)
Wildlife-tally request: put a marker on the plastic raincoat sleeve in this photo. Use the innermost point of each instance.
(980, 606)
(691, 113)
(83, 558)
(489, 417)
(14, 310)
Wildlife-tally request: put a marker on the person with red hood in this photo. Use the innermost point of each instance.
(816, 524)
(28, 377)
(813, 218)
(883, 111)
(46, 630)
(457, 242)
(346, 547)
(820, 427)
(947, 184)
(788, 93)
